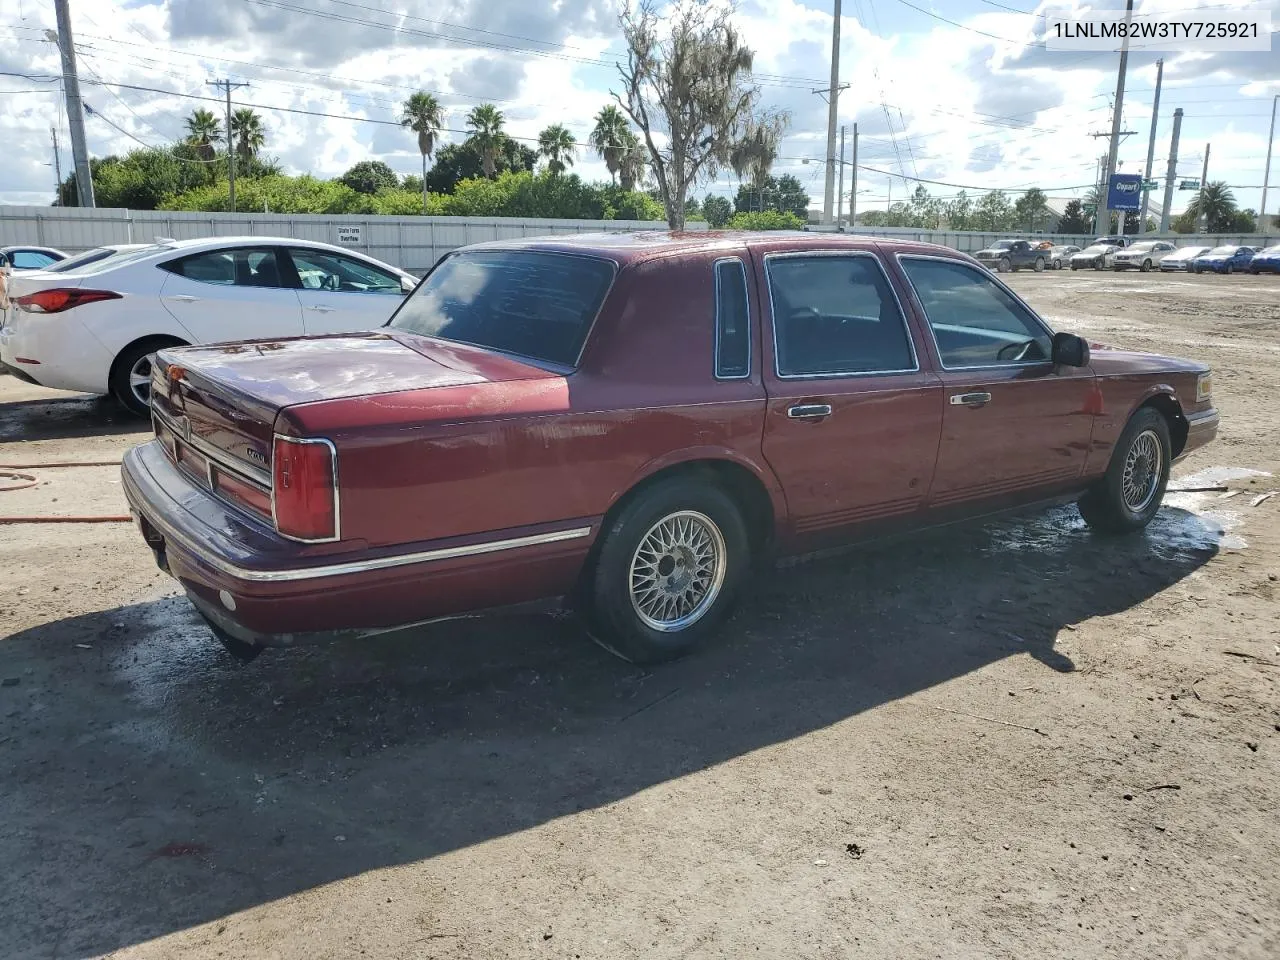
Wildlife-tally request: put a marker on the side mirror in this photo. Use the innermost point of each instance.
(1070, 350)
(407, 284)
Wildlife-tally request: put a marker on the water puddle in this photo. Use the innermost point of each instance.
(1190, 522)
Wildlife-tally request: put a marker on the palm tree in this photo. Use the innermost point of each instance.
(203, 131)
(485, 123)
(609, 138)
(633, 162)
(1216, 204)
(247, 133)
(557, 146)
(424, 116)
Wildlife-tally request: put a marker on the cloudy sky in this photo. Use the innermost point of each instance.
(945, 90)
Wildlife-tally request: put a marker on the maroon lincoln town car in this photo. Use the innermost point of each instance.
(632, 421)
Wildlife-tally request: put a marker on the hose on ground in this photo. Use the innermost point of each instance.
(27, 480)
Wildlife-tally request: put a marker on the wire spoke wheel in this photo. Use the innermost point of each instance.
(677, 571)
(1143, 467)
(140, 380)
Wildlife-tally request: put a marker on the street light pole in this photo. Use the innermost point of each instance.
(1266, 173)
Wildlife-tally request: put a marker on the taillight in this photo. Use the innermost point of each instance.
(61, 298)
(304, 479)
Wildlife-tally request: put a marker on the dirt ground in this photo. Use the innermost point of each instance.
(1006, 742)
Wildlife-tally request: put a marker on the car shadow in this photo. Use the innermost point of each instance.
(152, 783)
(55, 418)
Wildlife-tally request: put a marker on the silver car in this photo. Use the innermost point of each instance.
(1060, 255)
(1142, 256)
(1179, 261)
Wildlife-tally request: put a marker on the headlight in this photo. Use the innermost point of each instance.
(1204, 387)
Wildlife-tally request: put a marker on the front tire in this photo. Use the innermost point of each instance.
(669, 571)
(1003, 265)
(1146, 266)
(1039, 265)
(1057, 264)
(1229, 269)
(1129, 494)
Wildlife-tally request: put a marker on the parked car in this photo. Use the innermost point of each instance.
(96, 255)
(1181, 258)
(1096, 256)
(94, 328)
(1006, 255)
(1224, 259)
(632, 422)
(1266, 260)
(1142, 256)
(1061, 254)
(23, 257)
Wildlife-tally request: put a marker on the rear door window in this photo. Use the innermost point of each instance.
(241, 267)
(835, 315)
(524, 302)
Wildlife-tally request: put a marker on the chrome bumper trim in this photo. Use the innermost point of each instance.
(206, 558)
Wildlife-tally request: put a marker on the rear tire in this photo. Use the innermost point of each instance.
(669, 571)
(1039, 265)
(130, 377)
(1129, 494)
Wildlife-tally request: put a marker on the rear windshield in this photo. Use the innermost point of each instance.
(119, 259)
(532, 304)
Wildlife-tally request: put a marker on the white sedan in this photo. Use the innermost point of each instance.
(94, 328)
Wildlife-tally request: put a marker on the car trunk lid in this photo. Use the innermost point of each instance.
(223, 399)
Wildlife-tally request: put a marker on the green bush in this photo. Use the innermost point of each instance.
(275, 194)
(765, 220)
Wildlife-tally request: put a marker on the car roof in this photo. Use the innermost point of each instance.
(637, 245)
(166, 247)
(14, 247)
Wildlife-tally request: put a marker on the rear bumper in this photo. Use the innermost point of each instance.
(1202, 428)
(67, 355)
(260, 588)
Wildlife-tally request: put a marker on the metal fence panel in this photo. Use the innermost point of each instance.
(416, 243)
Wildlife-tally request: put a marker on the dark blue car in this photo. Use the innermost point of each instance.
(1226, 259)
(1266, 261)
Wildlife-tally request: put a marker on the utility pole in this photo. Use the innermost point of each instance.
(57, 166)
(75, 107)
(1204, 182)
(1104, 211)
(853, 183)
(840, 187)
(231, 147)
(1266, 174)
(833, 95)
(1151, 146)
(1172, 172)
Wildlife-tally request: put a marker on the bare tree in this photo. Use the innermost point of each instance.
(686, 85)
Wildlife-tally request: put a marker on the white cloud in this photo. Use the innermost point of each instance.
(932, 100)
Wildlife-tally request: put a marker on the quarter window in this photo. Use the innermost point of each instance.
(835, 315)
(241, 267)
(975, 322)
(733, 322)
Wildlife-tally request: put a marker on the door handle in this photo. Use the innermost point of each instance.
(321, 308)
(804, 411)
(970, 399)
(183, 298)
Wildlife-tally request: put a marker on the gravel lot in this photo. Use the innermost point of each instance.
(1010, 741)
